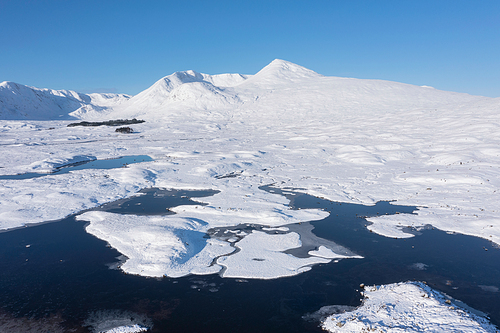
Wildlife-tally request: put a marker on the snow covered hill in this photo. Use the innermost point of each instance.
(196, 95)
(20, 102)
(280, 87)
(181, 90)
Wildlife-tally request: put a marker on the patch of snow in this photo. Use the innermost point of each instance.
(261, 257)
(158, 246)
(324, 252)
(407, 307)
(117, 321)
(127, 329)
(176, 245)
(284, 229)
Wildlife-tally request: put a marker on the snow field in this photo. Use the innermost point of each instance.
(261, 256)
(346, 140)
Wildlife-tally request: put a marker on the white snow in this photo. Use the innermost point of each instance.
(347, 140)
(261, 256)
(117, 321)
(175, 246)
(407, 307)
(324, 252)
(22, 102)
(127, 329)
(158, 246)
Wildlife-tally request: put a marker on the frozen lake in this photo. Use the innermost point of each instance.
(56, 272)
(85, 162)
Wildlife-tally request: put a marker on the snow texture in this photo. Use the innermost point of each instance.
(407, 307)
(127, 329)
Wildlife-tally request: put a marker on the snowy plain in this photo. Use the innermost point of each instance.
(346, 140)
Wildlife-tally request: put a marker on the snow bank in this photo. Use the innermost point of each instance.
(127, 329)
(407, 307)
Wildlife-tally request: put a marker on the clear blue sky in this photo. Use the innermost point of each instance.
(125, 46)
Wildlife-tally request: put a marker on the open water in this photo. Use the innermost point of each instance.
(56, 272)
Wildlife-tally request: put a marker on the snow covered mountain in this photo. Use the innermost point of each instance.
(283, 84)
(187, 89)
(196, 95)
(22, 102)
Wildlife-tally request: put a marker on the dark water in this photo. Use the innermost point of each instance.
(90, 164)
(155, 201)
(65, 272)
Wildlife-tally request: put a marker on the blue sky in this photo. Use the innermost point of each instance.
(125, 46)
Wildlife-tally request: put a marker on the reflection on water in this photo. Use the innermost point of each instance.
(155, 201)
(58, 270)
(88, 164)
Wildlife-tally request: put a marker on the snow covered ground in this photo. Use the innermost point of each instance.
(347, 140)
(407, 307)
(344, 139)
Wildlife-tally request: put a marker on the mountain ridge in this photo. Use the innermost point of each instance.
(280, 86)
(19, 102)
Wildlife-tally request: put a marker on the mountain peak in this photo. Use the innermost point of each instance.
(187, 76)
(282, 70)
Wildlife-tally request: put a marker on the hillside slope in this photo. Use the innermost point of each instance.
(20, 102)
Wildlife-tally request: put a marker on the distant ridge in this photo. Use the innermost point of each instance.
(19, 102)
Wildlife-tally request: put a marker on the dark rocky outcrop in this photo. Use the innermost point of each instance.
(117, 122)
(125, 130)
